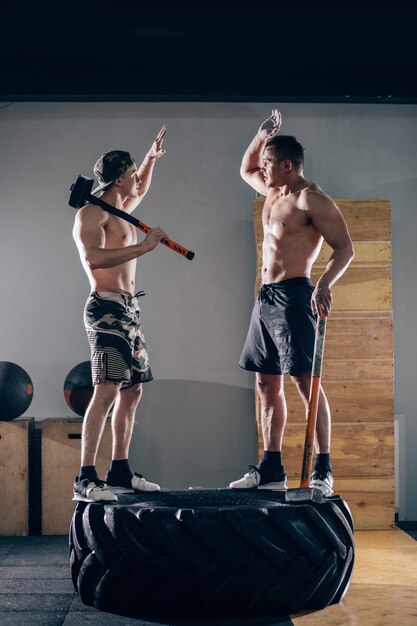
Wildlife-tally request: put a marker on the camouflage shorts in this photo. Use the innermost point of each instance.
(114, 330)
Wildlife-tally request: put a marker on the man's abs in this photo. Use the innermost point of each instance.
(118, 279)
(291, 242)
(288, 256)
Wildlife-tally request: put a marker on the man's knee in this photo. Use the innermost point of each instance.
(302, 382)
(133, 394)
(300, 378)
(106, 390)
(268, 384)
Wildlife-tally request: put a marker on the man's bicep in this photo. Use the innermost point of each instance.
(130, 204)
(256, 181)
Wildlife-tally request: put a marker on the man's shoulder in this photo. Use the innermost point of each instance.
(313, 195)
(312, 187)
(91, 213)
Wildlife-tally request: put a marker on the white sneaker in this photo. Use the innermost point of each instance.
(253, 480)
(126, 483)
(323, 482)
(96, 491)
(140, 484)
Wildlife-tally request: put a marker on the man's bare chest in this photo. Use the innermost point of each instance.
(120, 233)
(284, 217)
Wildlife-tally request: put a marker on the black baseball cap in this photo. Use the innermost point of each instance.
(110, 166)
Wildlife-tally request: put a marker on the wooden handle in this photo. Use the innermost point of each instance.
(313, 402)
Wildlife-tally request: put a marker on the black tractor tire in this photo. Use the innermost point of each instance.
(211, 553)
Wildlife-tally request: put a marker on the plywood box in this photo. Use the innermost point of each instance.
(61, 449)
(14, 476)
(350, 401)
(358, 449)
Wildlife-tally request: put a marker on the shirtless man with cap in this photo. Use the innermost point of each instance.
(108, 251)
(297, 216)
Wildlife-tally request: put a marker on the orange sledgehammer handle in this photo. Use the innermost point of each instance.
(313, 402)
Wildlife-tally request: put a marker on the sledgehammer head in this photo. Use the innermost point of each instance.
(80, 192)
(302, 495)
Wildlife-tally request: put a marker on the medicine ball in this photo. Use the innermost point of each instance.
(16, 391)
(78, 388)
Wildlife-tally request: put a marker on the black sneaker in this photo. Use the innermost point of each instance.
(257, 479)
(129, 483)
(92, 491)
(322, 480)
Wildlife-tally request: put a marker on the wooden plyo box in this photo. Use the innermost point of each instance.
(61, 449)
(14, 476)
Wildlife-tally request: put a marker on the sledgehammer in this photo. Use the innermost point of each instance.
(305, 492)
(81, 194)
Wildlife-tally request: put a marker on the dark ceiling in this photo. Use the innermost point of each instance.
(209, 50)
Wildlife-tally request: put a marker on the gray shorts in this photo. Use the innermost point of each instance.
(281, 334)
(114, 330)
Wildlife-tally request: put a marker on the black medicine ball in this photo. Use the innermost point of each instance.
(16, 391)
(78, 388)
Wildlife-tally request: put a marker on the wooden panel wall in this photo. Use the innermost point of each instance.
(357, 369)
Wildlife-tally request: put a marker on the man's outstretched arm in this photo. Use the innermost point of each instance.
(145, 170)
(250, 169)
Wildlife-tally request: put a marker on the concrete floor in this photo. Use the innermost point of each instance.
(36, 588)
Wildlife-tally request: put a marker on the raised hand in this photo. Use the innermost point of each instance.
(271, 125)
(156, 149)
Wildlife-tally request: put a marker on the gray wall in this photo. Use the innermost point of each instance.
(196, 421)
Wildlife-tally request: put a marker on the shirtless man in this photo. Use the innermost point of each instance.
(297, 216)
(108, 251)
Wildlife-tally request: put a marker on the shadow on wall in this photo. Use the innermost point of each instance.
(192, 433)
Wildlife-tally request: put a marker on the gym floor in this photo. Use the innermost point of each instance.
(36, 588)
